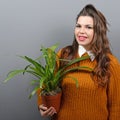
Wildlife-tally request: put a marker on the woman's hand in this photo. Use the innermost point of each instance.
(45, 112)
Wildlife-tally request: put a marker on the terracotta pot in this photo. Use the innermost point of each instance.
(52, 100)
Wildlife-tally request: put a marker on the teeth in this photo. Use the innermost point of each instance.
(82, 37)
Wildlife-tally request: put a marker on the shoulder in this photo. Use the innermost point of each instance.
(59, 52)
(65, 50)
(113, 60)
(114, 63)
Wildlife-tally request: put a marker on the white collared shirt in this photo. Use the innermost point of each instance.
(82, 50)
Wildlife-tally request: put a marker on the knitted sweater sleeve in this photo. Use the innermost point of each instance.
(114, 90)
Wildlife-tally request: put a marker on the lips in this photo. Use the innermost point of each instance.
(82, 38)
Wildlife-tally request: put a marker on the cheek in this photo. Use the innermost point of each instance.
(75, 32)
(91, 34)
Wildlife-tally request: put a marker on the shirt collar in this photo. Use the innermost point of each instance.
(82, 50)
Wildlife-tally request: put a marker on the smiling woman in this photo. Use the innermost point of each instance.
(84, 31)
(97, 97)
(25, 25)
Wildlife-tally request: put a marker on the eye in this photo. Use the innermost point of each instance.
(89, 27)
(77, 26)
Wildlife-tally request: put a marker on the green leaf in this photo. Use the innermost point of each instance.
(47, 77)
(13, 74)
(53, 47)
(33, 92)
(34, 82)
(73, 78)
(77, 68)
(34, 63)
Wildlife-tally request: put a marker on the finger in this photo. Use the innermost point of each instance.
(51, 111)
(42, 107)
(48, 112)
(44, 113)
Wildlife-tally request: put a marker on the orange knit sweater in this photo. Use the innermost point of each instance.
(88, 102)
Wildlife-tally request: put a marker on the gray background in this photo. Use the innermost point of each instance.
(25, 25)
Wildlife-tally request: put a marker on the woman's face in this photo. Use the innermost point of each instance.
(84, 31)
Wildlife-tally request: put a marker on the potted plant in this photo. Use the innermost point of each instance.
(48, 79)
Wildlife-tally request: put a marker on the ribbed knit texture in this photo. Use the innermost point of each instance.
(89, 102)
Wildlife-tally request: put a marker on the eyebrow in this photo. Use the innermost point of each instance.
(85, 24)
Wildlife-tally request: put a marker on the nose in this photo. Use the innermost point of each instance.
(82, 30)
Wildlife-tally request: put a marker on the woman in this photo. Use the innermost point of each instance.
(98, 95)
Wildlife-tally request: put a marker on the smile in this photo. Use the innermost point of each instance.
(82, 38)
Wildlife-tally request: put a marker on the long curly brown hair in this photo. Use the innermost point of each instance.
(100, 45)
